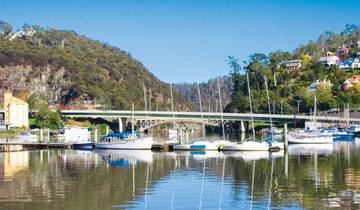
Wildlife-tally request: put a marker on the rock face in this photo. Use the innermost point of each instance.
(30, 79)
(69, 69)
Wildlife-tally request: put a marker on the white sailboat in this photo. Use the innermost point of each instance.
(253, 145)
(310, 135)
(198, 144)
(133, 142)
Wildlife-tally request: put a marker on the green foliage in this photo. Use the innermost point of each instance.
(37, 101)
(48, 119)
(290, 86)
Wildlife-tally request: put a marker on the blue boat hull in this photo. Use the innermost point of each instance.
(83, 145)
(343, 137)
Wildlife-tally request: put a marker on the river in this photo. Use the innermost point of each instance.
(325, 176)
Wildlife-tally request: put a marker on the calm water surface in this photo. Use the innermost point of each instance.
(324, 176)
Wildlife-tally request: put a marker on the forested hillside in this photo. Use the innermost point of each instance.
(290, 75)
(209, 92)
(70, 69)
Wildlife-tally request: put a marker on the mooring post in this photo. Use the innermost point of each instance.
(285, 136)
(48, 134)
(41, 135)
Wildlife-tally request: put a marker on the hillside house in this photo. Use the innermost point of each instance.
(353, 63)
(292, 64)
(342, 53)
(350, 82)
(330, 60)
(320, 84)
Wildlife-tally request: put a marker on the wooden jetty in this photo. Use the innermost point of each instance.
(19, 146)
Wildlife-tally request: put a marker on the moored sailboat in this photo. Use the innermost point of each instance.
(310, 135)
(126, 141)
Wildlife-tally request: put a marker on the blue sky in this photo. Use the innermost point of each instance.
(181, 40)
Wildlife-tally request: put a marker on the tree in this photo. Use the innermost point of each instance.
(48, 119)
(5, 27)
(349, 29)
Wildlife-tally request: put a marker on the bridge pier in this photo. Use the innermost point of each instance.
(122, 124)
(242, 127)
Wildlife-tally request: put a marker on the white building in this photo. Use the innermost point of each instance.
(16, 111)
(330, 60)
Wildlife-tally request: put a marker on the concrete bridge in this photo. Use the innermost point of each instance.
(149, 119)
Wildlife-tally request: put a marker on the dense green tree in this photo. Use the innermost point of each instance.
(48, 119)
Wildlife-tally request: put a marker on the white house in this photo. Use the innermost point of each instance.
(16, 111)
(330, 60)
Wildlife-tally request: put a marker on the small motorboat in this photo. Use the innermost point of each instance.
(254, 146)
(197, 145)
(203, 145)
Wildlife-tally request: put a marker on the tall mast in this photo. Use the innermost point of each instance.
(201, 110)
(251, 111)
(172, 104)
(133, 118)
(221, 110)
(268, 98)
(314, 121)
(145, 101)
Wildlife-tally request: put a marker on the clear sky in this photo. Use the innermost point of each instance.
(181, 40)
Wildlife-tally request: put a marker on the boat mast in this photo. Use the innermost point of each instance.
(348, 115)
(201, 110)
(251, 111)
(172, 105)
(314, 118)
(268, 98)
(133, 118)
(145, 101)
(221, 110)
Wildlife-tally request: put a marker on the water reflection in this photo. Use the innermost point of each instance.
(326, 176)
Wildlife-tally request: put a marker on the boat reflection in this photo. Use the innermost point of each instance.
(253, 155)
(125, 157)
(196, 154)
(310, 149)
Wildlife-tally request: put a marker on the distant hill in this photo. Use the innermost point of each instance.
(71, 69)
(209, 92)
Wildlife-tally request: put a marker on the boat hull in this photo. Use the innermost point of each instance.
(198, 145)
(138, 144)
(87, 145)
(247, 146)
